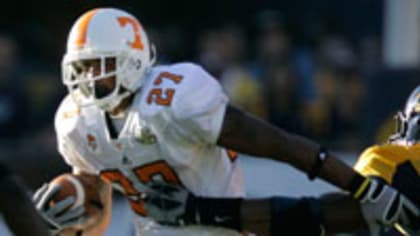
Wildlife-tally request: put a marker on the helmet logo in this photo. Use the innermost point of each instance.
(137, 43)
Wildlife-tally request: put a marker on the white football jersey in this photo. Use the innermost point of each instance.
(168, 134)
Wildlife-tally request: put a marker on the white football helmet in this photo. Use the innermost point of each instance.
(107, 36)
(408, 121)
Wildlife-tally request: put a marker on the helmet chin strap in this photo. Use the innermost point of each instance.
(109, 106)
(112, 102)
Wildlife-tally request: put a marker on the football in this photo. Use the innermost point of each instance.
(84, 189)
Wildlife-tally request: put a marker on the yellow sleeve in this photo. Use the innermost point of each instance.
(378, 161)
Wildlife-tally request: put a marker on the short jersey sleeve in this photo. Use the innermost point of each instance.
(198, 108)
(66, 119)
(380, 161)
(69, 154)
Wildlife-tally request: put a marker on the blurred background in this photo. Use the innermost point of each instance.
(334, 71)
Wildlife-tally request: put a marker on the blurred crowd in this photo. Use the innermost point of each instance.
(314, 86)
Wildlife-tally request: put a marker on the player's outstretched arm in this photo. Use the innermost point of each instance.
(331, 213)
(245, 133)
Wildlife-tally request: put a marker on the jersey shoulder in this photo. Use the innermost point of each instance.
(391, 152)
(180, 88)
(381, 160)
(385, 150)
(398, 165)
(67, 115)
(183, 77)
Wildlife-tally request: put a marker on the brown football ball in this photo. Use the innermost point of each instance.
(84, 189)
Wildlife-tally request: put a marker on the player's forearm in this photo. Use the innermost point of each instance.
(247, 134)
(341, 213)
(334, 213)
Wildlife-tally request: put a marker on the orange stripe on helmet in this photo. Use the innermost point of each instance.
(82, 27)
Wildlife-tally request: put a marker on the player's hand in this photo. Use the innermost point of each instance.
(59, 216)
(168, 204)
(383, 205)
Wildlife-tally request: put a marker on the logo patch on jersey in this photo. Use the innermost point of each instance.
(91, 140)
(145, 136)
(232, 154)
(71, 113)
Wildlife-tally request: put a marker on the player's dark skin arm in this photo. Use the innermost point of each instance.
(245, 133)
(340, 213)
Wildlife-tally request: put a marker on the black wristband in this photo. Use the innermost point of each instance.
(321, 156)
(222, 212)
(296, 216)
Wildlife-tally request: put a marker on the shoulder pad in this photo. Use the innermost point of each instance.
(67, 114)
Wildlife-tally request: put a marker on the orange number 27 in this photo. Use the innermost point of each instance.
(162, 96)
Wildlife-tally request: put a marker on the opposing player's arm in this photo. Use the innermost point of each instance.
(333, 213)
(16, 207)
(245, 133)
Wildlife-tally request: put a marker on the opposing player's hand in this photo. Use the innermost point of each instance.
(60, 215)
(168, 204)
(383, 205)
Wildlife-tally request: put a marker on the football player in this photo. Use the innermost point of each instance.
(398, 162)
(131, 123)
